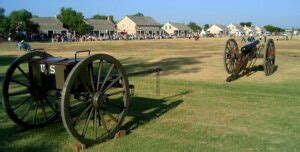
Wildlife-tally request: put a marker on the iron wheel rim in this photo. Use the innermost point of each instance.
(231, 53)
(41, 107)
(87, 135)
(269, 57)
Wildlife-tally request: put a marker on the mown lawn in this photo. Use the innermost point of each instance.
(196, 109)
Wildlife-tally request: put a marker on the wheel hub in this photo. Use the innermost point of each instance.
(99, 100)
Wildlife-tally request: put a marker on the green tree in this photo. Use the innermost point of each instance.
(3, 22)
(138, 14)
(249, 24)
(206, 26)
(20, 21)
(273, 29)
(194, 26)
(72, 20)
(104, 17)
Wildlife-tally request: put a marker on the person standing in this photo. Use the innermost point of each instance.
(265, 37)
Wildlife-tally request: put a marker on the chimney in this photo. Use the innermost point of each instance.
(108, 18)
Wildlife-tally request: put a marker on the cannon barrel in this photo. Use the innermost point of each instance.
(249, 46)
(148, 71)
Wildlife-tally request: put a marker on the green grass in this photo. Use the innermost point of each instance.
(189, 115)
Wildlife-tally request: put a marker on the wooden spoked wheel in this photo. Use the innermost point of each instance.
(25, 103)
(269, 57)
(95, 99)
(231, 54)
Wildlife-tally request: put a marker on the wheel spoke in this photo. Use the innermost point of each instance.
(78, 104)
(86, 124)
(116, 93)
(102, 121)
(26, 111)
(79, 117)
(35, 112)
(85, 85)
(22, 71)
(91, 78)
(95, 123)
(43, 110)
(112, 83)
(107, 75)
(229, 46)
(99, 74)
(50, 105)
(21, 103)
(20, 83)
(21, 92)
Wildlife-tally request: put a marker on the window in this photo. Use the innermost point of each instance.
(170, 27)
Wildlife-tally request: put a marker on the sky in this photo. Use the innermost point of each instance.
(284, 13)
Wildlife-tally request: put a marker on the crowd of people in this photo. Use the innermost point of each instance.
(117, 36)
(251, 37)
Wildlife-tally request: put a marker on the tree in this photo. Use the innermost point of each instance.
(273, 29)
(138, 14)
(104, 17)
(248, 24)
(20, 21)
(194, 26)
(3, 22)
(206, 26)
(73, 20)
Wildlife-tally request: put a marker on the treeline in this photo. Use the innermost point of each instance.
(269, 28)
(19, 21)
(195, 27)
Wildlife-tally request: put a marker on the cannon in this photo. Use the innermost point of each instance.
(92, 95)
(240, 62)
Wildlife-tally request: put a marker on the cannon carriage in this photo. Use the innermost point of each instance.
(240, 62)
(92, 95)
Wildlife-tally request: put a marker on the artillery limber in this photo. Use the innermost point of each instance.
(92, 94)
(241, 62)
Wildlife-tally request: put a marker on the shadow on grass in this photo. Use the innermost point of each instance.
(13, 138)
(7, 59)
(29, 140)
(259, 68)
(253, 70)
(169, 66)
(143, 110)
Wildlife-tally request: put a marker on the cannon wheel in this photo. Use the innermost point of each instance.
(269, 57)
(95, 99)
(22, 101)
(231, 54)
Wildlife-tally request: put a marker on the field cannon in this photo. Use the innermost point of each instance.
(92, 95)
(240, 62)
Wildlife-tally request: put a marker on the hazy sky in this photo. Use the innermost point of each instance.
(284, 13)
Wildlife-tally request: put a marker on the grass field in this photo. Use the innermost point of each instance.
(196, 110)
